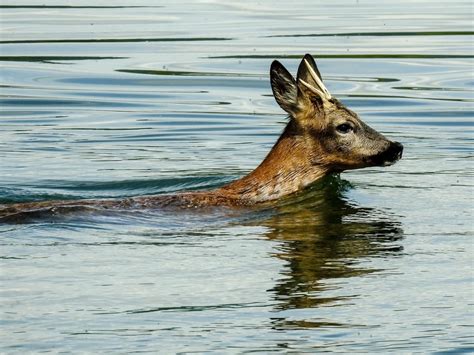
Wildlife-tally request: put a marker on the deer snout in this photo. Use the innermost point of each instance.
(397, 149)
(389, 156)
(392, 154)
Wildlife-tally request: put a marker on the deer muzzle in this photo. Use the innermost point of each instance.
(389, 156)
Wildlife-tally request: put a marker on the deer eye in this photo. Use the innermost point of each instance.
(344, 128)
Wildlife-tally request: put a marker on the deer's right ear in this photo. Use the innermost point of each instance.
(284, 87)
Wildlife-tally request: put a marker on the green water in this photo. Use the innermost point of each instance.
(112, 100)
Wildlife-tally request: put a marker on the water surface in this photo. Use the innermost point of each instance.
(112, 100)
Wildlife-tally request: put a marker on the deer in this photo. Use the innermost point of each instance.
(321, 137)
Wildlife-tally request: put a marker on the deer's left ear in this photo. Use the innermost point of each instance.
(310, 82)
(284, 87)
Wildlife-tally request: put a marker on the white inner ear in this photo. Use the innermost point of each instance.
(325, 92)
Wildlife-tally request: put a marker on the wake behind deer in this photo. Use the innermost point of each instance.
(322, 137)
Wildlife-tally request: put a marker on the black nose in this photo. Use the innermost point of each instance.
(397, 150)
(389, 156)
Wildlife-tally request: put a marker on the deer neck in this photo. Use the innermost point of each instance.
(289, 167)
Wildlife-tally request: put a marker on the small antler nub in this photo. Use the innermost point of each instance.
(313, 89)
(325, 92)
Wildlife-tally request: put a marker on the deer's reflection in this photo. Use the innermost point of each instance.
(322, 236)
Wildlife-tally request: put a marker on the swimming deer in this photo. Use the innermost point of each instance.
(321, 137)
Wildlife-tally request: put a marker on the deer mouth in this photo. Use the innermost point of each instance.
(389, 156)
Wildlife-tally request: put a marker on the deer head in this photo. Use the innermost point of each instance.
(339, 139)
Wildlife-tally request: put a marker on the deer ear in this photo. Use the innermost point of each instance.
(310, 82)
(284, 87)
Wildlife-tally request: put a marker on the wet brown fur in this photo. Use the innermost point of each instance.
(308, 149)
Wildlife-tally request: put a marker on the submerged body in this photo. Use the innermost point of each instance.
(321, 137)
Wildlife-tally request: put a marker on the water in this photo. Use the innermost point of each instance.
(112, 100)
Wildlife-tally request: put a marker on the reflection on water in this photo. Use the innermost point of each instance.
(322, 235)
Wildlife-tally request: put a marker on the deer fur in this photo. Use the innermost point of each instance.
(322, 137)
